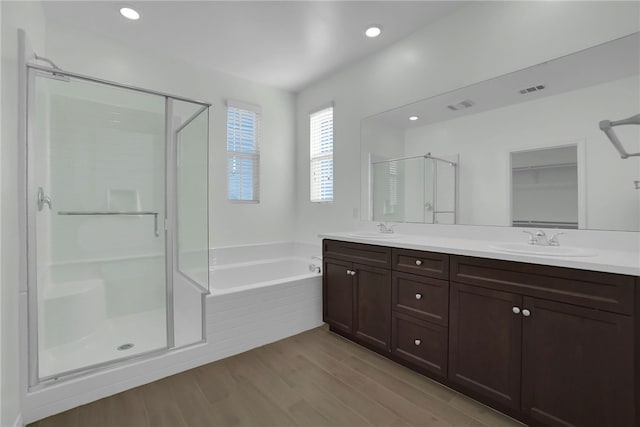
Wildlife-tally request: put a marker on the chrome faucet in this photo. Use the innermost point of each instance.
(553, 240)
(540, 238)
(383, 228)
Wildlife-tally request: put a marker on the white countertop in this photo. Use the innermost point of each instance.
(605, 260)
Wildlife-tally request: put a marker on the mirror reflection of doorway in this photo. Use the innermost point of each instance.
(544, 188)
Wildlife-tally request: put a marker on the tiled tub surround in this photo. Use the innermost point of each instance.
(547, 344)
(252, 303)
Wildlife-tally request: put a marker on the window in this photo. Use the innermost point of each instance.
(321, 148)
(243, 152)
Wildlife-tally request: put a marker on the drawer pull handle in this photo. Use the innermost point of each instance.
(526, 313)
(417, 342)
(418, 296)
(418, 262)
(516, 310)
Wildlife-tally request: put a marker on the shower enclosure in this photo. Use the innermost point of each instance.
(116, 215)
(419, 189)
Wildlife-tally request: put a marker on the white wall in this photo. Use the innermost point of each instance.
(232, 223)
(474, 43)
(28, 16)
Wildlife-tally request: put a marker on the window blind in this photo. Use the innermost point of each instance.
(243, 152)
(321, 150)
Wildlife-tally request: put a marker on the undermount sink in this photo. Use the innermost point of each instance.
(373, 235)
(524, 248)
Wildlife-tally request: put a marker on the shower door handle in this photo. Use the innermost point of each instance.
(43, 199)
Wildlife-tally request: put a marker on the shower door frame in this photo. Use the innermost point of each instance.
(27, 213)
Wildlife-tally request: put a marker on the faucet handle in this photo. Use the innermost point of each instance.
(553, 240)
(532, 237)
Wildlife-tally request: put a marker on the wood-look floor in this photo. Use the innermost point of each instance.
(313, 379)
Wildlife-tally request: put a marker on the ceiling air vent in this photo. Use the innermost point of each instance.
(531, 89)
(461, 105)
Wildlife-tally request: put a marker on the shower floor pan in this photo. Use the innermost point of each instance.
(115, 338)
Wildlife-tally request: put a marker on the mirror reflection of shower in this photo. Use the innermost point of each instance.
(415, 189)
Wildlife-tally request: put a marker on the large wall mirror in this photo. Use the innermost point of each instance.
(531, 148)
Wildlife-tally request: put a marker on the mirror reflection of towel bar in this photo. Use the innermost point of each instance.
(606, 127)
(125, 213)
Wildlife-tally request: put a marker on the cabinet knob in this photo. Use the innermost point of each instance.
(348, 272)
(418, 296)
(516, 310)
(526, 313)
(417, 342)
(352, 272)
(418, 262)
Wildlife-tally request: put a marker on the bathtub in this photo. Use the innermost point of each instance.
(252, 275)
(260, 294)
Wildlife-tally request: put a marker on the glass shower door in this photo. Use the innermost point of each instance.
(96, 200)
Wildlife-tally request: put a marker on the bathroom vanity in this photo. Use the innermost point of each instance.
(548, 345)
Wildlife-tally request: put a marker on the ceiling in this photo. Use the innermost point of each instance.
(286, 44)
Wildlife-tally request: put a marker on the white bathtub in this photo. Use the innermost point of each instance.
(260, 294)
(256, 274)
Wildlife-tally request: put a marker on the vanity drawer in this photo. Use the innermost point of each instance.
(420, 343)
(377, 256)
(604, 291)
(419, 296)
(418, 262)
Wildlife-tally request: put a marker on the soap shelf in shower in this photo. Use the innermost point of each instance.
(113, 213)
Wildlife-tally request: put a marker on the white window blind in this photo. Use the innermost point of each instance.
(243, 152)
(321, 148)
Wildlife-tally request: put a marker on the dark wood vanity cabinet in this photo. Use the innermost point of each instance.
(357, 295)
(550, 346)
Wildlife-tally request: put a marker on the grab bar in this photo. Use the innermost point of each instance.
(126, 213)
(606, 125)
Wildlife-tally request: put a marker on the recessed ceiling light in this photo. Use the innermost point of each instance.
(373, 31)
(413, 118)
(129, 13)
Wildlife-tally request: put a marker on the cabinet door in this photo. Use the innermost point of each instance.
(373, 305)
(485, 339)
(577, 365)
(338, 295)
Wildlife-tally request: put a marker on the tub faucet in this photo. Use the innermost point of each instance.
(315, 268)
(384, 228)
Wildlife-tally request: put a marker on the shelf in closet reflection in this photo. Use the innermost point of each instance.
(115, 213)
